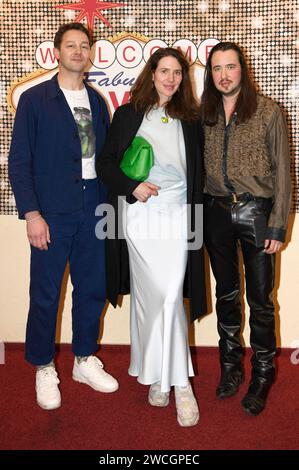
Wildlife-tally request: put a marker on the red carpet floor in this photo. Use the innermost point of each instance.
(124, 420)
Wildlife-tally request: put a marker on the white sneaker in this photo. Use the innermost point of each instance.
(186, 405)
(156, 397)
(91, 372)
(46, 385)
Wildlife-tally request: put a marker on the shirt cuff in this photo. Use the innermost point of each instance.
(274, 233)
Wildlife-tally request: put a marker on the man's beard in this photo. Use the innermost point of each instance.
(232, 92)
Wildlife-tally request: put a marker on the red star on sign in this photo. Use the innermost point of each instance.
(91, 9)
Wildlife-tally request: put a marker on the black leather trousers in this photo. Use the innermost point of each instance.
(227, 226)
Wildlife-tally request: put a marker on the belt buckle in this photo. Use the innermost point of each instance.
(235, 199)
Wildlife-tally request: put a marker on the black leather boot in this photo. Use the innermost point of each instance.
(229, 382)
(230, 348)
(231, 353)
(255, 399)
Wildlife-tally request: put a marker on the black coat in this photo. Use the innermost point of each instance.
(125, 124)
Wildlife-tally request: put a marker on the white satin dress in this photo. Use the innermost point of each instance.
(156, 235)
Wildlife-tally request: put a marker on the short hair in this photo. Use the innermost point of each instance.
(68, 27)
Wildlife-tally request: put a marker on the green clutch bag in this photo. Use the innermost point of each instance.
(138, 159)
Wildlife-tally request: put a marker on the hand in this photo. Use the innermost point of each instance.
(38, 232)
(145, 190)
(272, 246)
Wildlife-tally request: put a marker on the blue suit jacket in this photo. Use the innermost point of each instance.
(45, 155)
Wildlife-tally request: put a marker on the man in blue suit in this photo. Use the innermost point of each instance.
(60, 128)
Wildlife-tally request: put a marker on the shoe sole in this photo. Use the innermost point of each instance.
(223, 397)
(153, 403)
(250, 413)
(227, 395)
(189, 423)
(49, 408)
(98, 389)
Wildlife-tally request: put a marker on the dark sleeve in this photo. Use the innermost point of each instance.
(105, 114)
(20, 162)
(277, 140)
(199, 181)
(108, 164)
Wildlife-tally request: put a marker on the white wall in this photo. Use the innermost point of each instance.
(14, 282)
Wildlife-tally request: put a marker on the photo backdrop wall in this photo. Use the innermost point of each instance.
(125, 34)
(267, 30)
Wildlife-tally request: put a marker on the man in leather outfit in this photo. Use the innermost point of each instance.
(247, 199)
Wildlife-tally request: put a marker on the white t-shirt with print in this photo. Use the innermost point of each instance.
(78, 101)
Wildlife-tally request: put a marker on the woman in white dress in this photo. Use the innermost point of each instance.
(162, 110)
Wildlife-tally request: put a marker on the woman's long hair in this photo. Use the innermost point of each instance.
(144, 96)
(211, 99)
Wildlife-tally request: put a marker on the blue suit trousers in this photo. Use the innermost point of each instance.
(73, 240)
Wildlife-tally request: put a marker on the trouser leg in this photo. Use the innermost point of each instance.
(221, 244)
(87, 269)
(260, 271)
(46, 273)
